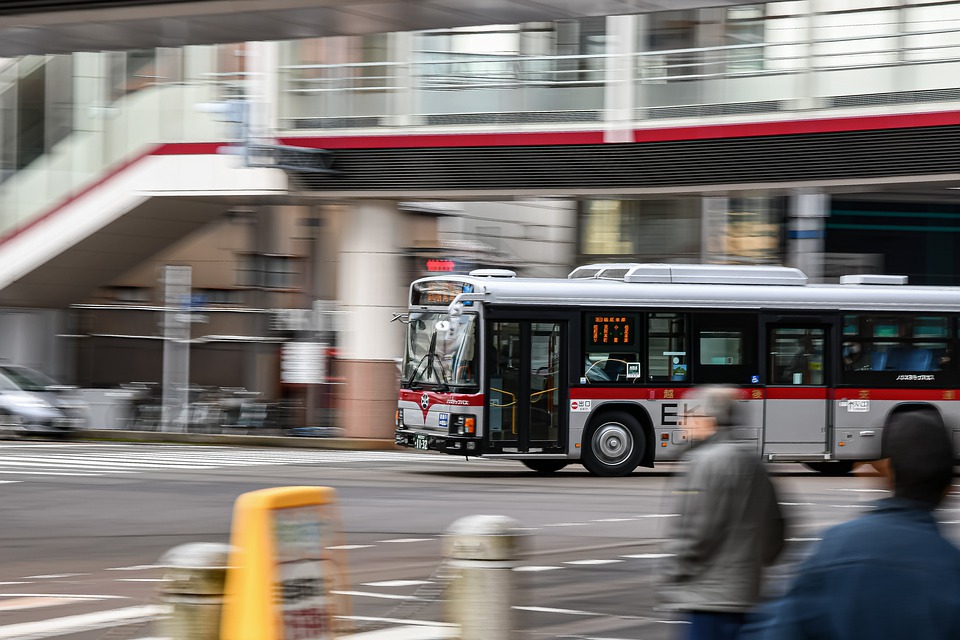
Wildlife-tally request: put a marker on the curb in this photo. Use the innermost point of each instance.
(345, 444)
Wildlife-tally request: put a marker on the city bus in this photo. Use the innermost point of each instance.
(595, 368)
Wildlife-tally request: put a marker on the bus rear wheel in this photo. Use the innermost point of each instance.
(615, 446)
(831, 469)
(545, 466)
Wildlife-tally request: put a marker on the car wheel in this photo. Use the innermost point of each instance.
(545, 466)
(614, 445)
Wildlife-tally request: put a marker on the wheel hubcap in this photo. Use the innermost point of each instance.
(612, 443)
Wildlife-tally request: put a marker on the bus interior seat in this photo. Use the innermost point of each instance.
(919, 360)
(615, 370)
(905, 360)
(878, 360)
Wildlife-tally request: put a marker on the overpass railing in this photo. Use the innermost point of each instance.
(893, 67)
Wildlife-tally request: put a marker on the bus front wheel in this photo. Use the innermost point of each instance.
(545, 466)
(615, 446)
(831, 469)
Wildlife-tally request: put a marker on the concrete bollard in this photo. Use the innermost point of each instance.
(482, 551)
(193, 589)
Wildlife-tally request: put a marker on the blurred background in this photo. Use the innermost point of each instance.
(233, 203)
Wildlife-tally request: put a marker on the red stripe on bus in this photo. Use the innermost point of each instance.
(770, 393)
(796, 393)
(897, 395)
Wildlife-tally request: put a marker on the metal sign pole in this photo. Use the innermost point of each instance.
(176, 348)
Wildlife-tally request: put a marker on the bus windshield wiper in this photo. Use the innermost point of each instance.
(433, 363)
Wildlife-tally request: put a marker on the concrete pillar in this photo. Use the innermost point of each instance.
(371, 286)
(713, 229)
(805, 231)
(263, 63)
(618, 80)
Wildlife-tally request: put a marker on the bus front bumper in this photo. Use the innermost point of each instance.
(457, 445)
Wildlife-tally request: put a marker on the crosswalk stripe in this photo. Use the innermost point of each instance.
(105, 459)
(78, 623)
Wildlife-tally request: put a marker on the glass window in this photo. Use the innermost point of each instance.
(443, 358)
(721, 347)
(667, 349)
(796, 356)
(744, 27)
(641, 230)
(912, 347)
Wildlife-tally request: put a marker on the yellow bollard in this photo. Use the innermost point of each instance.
(282, 570)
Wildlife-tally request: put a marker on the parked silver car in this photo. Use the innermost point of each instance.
(33, 402)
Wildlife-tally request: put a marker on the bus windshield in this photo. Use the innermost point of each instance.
(440, 358)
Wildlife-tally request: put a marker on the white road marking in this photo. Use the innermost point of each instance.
(613, 520)
(63, 595)
(141, 580)
(862, 490)
(105, 459)
(137, 567)
(567, 524)
(396, 583)
(406, 540)
(591, 562)
(79, 623)
(419, 623)
(9, 583)
(534, 567)
(350, 547)
(10, 481)
(571, 612)
(368, 594)
(22, 604)
(96, 463)
(798, 504)
(848, 506)
(406, 632)
(55, 575)
(804, 539)
(658, 515)
(648, 556)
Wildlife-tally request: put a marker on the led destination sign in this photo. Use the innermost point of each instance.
(438, 292)
(611, 330)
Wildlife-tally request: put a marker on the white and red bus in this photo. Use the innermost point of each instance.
(595, 368)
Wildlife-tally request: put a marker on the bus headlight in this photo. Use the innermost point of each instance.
(463, 424)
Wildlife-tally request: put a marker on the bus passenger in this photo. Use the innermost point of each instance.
(890, 573)
(729, 527)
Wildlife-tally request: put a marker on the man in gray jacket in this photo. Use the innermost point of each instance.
(729, 527)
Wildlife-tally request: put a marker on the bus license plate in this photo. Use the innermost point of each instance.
(420, 442)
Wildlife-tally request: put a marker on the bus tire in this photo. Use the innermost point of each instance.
(831, 469)
(614, 446)
(545, 466)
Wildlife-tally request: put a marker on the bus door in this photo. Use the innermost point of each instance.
(526, 365)
(797, 407)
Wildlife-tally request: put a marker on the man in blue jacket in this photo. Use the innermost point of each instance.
(889, 574)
